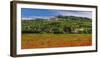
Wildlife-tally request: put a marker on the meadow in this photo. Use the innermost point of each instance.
(30, 41)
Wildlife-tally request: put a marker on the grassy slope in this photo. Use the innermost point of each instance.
(55, 40)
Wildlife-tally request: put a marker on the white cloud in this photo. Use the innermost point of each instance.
(76, 13)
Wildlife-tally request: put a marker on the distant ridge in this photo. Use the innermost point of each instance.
(48, 18)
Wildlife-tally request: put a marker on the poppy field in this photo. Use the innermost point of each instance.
(55, 40)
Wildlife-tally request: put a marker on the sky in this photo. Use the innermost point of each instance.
(30, 13)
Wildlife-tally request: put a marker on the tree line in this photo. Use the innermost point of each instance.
(58, 25)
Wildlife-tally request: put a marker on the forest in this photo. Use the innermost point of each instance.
(58, 25)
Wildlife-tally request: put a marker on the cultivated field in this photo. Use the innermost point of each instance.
(55, 40)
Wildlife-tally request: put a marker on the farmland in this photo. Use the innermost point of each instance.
(55, 40)
(60, 31)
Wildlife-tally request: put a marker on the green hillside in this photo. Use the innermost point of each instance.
(58, 25)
